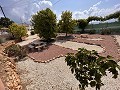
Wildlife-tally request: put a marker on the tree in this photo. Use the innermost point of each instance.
(5, 22)
(18, 31)
(113, 16)
(82, 23)
(89, 67)
(66, 24)
(119, 18)
(95, 18)
(44, 23)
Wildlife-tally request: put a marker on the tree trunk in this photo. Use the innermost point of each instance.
(97, 88)
(83, 30)
(20, 39)
(66, 34)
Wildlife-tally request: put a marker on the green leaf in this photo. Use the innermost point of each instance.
(72, 70)
(88, 66)
(92, 83)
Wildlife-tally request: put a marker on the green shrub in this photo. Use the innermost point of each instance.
(105, 32)
(92, 31)
(16, 51)
(89, 67)
(2, 40)
(32, 33)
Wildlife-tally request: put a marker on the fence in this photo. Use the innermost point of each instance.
(113, 26)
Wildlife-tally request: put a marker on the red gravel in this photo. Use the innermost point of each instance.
(51, 52)
(108, 42)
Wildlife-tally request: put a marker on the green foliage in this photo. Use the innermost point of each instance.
(95, 18)
(92, 31)
(18, 31)
(66, 24)
(5, 22)
(1, 26)
(82, 24)
(119, 18)
(105, 32)
(89, 67)
(32, 33)
(2, 40)
(16, 51)
(110, 16)
(113, 16)
(44, 23)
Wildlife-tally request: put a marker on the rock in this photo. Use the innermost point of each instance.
(10, 85)
(19, 87)
(15, 84)
(18, 80)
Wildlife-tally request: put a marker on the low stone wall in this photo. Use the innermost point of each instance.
(13, 80)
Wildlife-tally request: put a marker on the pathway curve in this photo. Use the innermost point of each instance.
(117, 38)
(28, 40)
(76, 45)
(108, 42)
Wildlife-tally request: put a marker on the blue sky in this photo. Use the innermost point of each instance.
(22, 10)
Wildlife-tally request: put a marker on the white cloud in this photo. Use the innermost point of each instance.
(24, 9)
(97, 4)
(95, 11)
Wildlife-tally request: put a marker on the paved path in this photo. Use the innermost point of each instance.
(28, 40)
(76, 45)
(117, 38)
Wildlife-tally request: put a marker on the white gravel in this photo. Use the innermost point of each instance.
(55, 75)
(117, 38)
(28, 40)
(76, 45)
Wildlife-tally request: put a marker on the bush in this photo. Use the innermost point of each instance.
(105, 32)
(17, 31)
(89, 67)
(92, 31)
(2, 40)
(32, 33)
(16, 51)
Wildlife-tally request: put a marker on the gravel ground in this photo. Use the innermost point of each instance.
(117, 38)
(55, 75)
(28, 40)
(76, 45)
(108, 43)
(49, 53)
